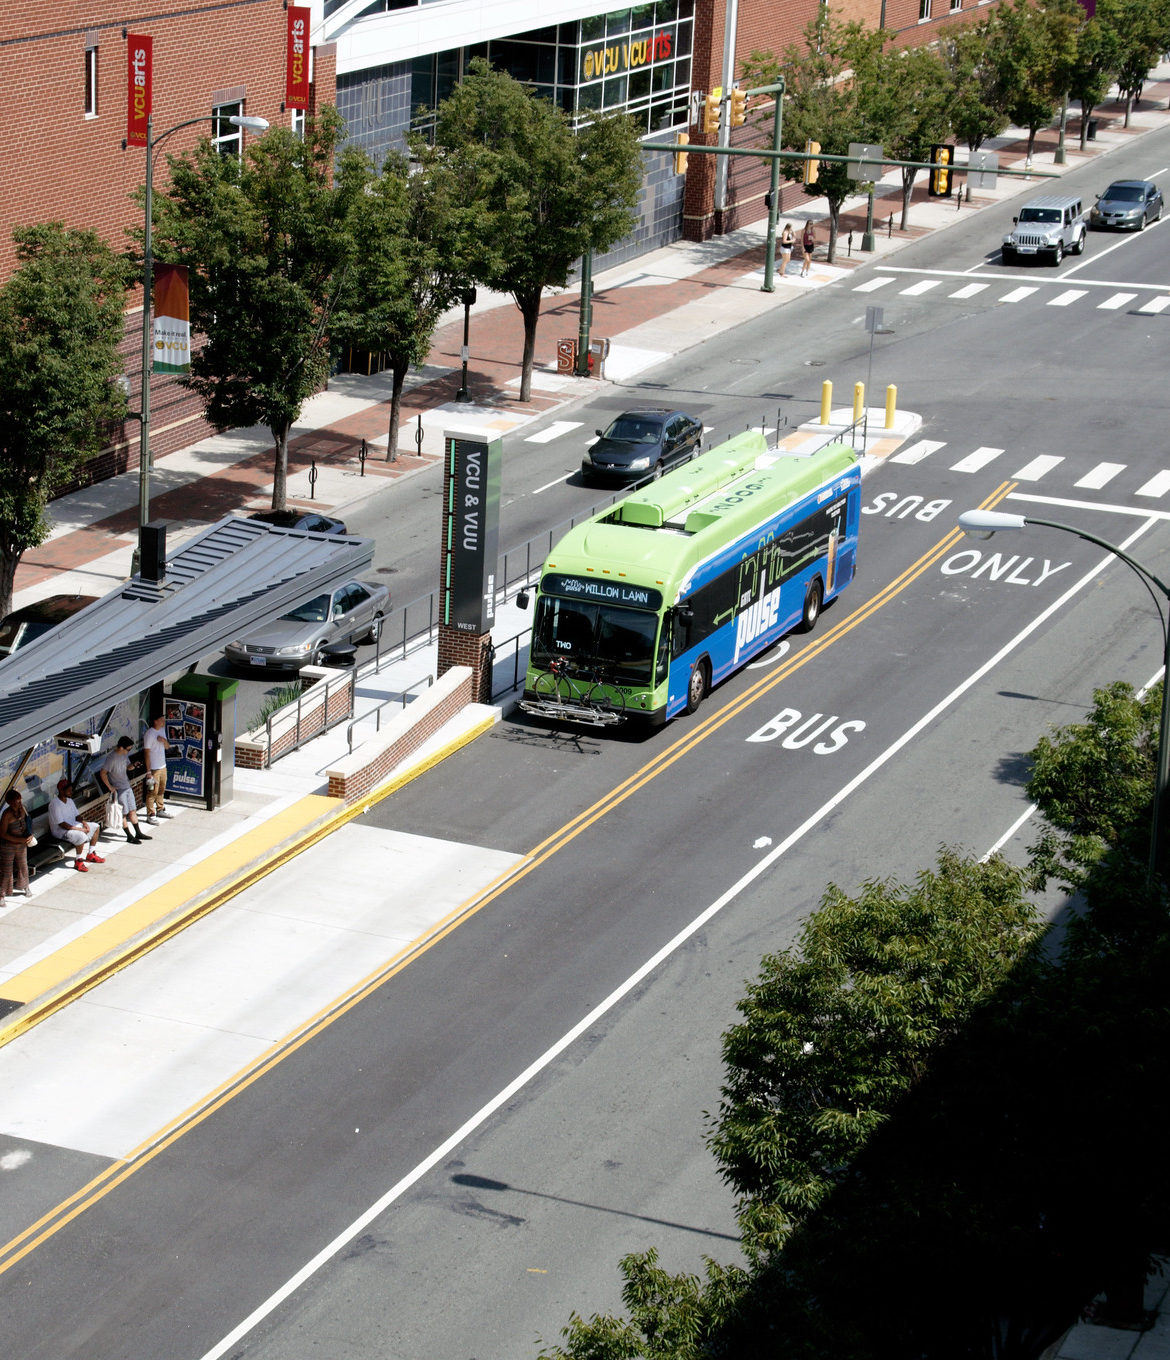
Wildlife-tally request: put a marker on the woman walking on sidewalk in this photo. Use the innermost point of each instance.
(808, 243)
(787, 244)
(15, 839)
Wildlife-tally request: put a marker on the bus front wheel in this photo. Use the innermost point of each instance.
(697, 686)
(812, 606)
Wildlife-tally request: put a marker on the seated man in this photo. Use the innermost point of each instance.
(67, 824)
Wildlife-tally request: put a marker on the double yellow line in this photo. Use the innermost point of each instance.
(32, 1237)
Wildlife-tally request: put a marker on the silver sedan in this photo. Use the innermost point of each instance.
(1127, 205)
(353, 612)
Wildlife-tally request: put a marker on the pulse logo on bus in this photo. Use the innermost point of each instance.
(755, 620)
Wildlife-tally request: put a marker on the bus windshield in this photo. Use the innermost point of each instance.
(617, 641)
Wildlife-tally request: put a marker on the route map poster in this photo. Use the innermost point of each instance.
(186, 729)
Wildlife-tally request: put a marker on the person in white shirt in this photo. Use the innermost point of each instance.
(115, 775)
(154, 743)
(67, 824)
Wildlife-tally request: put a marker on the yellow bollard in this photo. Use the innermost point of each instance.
(891, 405)
(858, 401)
(826, 400)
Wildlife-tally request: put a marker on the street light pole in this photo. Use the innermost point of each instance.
(984, 523)
(237, 120)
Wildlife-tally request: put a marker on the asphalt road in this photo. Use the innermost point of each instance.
(666, 866)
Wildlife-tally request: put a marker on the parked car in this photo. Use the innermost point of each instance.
(301, 519)
(351, 613)
(1053, 226)
(20, 627)
(1127, 205)
(642, 443)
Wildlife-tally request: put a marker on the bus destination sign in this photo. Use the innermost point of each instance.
(601, 592)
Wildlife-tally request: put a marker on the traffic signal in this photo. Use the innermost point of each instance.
(711, 112)
(680, 156)
(738, 107)
(812, 166)
(940, 175)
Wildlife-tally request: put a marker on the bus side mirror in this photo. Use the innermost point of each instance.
(523, 599)
(684, 613)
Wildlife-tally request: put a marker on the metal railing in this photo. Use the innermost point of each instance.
(327, 721)
(376, 713)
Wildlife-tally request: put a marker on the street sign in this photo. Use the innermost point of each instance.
(873, 320)
(981, 169)
(865, 162)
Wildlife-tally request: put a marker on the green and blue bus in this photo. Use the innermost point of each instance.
(651, 602)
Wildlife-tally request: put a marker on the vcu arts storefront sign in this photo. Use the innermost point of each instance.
(626, 54)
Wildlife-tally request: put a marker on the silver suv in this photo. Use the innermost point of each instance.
(1046, 226)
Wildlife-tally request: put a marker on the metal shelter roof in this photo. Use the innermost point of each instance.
(219, 585)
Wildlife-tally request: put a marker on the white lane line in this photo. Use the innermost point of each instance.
(979, 459)
(1155, 305)
(1069, 295)
(444, 1150)
(1018, 294)
(547, 485)
(1102, 473)
(917, 452)
(554, 431)
(1118, 300)
(922, 286)
(969, 291)
(1157, 485)
(1033, 471)
(870, 284)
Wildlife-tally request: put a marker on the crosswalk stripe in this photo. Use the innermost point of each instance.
(554, 431)
(917, 452)
(870, 284)
(1069, 295)
(969, 290)
(974, 461)
(1033, 471)
(1156, 486)
(1100, 475)
(922, 286)
(1155, 305)
(1111, 304)
(1018, 294)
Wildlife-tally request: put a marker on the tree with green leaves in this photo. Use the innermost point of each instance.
(1033, 47)
(1097, 58)
(1142, 29)
(267, 244)
(61, 321)
(410, 231)
(906, 96)
(977, 104)
(823, 102)
(544, 195)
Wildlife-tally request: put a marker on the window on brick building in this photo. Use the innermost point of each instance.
(91, 82)
(956, 4)
(298, 122)
(923, 10)
(226, 138)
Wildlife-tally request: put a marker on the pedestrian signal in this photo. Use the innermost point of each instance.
(711, 113)
(940, 175)
(680, 156)
(812, 166)
(738, 107)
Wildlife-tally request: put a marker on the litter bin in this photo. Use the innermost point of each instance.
(1091, 135)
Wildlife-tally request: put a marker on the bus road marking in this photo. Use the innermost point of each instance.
(549, 485)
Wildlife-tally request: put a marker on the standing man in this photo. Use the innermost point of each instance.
(154, 743)
(115, 775)
(66, 824)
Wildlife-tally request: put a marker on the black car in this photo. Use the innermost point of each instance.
(301, 519)
(1127, 205)
(641, 444)
(20, 627)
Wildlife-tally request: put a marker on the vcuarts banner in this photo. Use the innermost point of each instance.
(172, 319)
(296, 69)
(138, 107)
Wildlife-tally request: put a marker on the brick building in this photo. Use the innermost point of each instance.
(64, 140)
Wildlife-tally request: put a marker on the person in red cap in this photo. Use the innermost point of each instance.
(67, 824)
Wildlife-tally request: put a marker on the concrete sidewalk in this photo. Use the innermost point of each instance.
(171, 907)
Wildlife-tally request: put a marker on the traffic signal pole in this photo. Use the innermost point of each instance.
(774, 185)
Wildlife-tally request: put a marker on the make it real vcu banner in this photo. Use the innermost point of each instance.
(172, 320)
